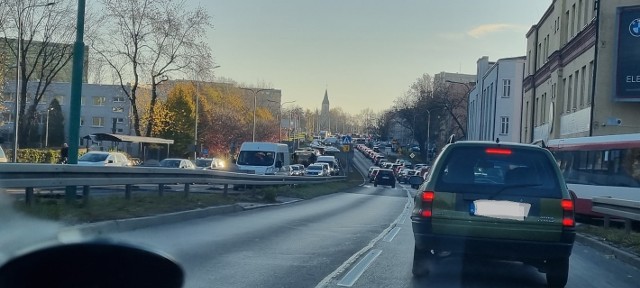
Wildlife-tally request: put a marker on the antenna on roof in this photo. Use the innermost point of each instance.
(452, 139)
(497, 140)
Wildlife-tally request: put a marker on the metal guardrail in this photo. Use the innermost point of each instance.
(30, 176)
(626, 210)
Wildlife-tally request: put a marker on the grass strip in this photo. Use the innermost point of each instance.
(117, 207)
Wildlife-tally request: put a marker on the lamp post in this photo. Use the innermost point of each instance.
(18, 72)
(46, 129)
(429, 130)
(279, 116)
(255, 104)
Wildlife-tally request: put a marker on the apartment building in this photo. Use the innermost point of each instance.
(105, 108)
(495, 103)
(573, 87)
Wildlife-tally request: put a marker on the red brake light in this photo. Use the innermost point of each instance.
(500, 151)
(568, 222)
(567, 204)
(426, 213)
(427, 196)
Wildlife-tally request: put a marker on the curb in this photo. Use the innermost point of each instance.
(622, 255)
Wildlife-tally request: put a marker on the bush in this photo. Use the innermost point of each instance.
(46, 156)
(270, 194)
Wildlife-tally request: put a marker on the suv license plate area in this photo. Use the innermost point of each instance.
(500, 209)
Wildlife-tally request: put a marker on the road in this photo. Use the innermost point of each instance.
(358, 238)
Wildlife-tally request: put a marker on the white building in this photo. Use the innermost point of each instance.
(495, 104)
(105, 108)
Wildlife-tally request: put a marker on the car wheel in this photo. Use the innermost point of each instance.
(422, 262)
(375, 184)
(393, 186)
(557, 272)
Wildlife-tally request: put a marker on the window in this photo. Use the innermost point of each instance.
(530, 61)
(543, 109)
(119, 130)
(568, 98)
(582, 88)
(506, 87)
(575, 91)
(81, 121)
(99, 100)
(504, 125)
(118, 99)
(573, 20)
(565, 28)
(118, 109)
(535, 114)
(119, 120)
(590, 82)
(60, 99)
(8, 96)
(558, 25)
(586, 12)
(7, 117)
(98, 122)
(579, 20)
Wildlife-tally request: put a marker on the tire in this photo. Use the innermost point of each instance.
(557, 272)
(375, 184)
(422, 262)
(393, 186)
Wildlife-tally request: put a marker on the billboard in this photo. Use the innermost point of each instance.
(628, 70)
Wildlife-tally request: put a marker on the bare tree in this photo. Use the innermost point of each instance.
(46, 49)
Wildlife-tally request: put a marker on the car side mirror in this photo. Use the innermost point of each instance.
(94, 264)
(109, 161)
(278, 164)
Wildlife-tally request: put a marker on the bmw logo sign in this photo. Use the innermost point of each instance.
(634, 27)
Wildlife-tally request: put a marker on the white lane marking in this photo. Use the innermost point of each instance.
(324, 282)
(357, 270)
(392, 234)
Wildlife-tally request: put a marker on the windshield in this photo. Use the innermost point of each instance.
(256, 158)
(170, 163)
(232, 93)
(93, 157)
(203, 162)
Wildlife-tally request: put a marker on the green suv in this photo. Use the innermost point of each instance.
(494, 200)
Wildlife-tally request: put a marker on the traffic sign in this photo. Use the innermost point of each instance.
(412, 155)
(345, 148)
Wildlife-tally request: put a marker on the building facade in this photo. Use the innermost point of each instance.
(570, 82)
(495, 103)
(456, 87)
(105, 108)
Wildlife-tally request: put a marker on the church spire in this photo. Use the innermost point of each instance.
(326, 98)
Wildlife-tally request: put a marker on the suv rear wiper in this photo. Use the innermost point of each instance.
(513, 186)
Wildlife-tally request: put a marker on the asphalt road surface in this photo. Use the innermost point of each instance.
(359, 238)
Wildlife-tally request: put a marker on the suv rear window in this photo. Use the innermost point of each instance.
(494, 170)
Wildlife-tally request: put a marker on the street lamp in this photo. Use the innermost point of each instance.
(18, 72)
(255, 104)
(46, 130)
(279, 115)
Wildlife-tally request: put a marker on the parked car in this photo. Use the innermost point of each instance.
(103, 158)
(177, 163)
(371, 170)
(372, 176)
(209, 163)
(3, 156)
(524, 212)
(317, 170)
(296, 170)
(385, 177)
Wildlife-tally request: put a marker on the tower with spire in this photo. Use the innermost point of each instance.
(325, 119)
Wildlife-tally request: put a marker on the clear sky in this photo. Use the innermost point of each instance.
(366, 52)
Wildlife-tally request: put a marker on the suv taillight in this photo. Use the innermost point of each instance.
(568, 219)
(427, 203)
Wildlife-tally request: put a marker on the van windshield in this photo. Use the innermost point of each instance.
(256, 158)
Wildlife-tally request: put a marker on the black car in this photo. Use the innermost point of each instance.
(385, 177)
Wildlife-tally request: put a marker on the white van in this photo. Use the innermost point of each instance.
(334, 165)
(263, 158)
